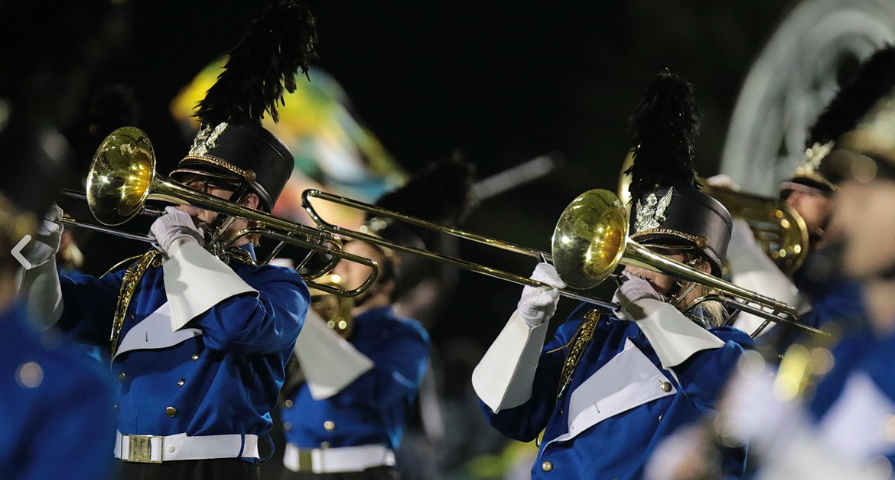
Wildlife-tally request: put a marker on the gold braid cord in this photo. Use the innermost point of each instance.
(582, 338)
(128, 286)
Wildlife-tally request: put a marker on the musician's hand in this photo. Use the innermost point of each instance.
(173, 226)
(755, 412)
(630, 291)
(537, 305)
(45, 242)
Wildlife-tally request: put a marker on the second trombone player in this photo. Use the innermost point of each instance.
(607, 388)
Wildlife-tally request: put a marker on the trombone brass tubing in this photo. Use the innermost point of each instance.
(637, 254)
(122, 178)
(70, 222)
(457, 262)
(326, 287)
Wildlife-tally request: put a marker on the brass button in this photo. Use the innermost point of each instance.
(329, 425)
(660, 418)
(195, 357)
(324, 444)
(114, 408)
(171, 411)
(287, 404)
(171, 448)
(181, 382)
(547, 466)
(122, 376)
(666, 387)
(287, 426)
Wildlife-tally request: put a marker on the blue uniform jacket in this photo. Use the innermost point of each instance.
(837, 298)
(55, 415)
(225, 380)
(373, 409)
(621, 401)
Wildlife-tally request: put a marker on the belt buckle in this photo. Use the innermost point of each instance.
(305, 460)
(141, 448)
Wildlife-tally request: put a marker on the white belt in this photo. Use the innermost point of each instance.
(332, 460)
(154, 449)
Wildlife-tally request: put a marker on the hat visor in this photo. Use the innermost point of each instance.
(673, 240)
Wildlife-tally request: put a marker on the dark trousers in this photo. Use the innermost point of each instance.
(218, 469)
(375, 473)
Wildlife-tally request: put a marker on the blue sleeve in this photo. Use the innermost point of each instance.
(839, 301)
(76, 437)
(703, 376)
(399, 365)
(526, 421)
(266, 323)
(88, 306)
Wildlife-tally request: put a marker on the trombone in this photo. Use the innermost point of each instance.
(456, 262)
(122, 178)
(589, 242)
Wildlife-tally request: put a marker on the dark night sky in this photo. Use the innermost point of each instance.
(500, 82)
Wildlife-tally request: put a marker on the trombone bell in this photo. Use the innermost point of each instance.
(120, 176)
(589, 239)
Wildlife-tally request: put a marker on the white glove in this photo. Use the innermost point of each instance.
(172, 226)
(741, 238)
(754, 413)
(632, 290)
(537, 305)
(722, 181)
(46, 241)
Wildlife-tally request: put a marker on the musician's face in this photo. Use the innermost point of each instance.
(660, 282)
(813, 206)
(664, 284)
(866, 216)
(204, 218)
(354, 273)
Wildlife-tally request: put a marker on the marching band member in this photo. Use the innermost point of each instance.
(840, 426)
(54, 401)
(345, 419)
(819, 286)
(55, 414)
(608, 388)
(833, 425)
(199, 343)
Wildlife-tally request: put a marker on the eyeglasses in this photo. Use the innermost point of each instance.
(204, 185)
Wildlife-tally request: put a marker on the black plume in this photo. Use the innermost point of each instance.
(262, 65)
(441, 193)
(664, 128)
(874, 79)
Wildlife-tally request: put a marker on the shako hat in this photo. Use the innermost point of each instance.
(668, 210)
(231, 145)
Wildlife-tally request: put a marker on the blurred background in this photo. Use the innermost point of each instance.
(496, 84)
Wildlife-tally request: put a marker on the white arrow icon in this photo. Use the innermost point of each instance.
(17, 251)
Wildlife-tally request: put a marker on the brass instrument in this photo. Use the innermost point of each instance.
(590, 240)
(333, 309)
(779, 230)
(307, 195)
(122, 178)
